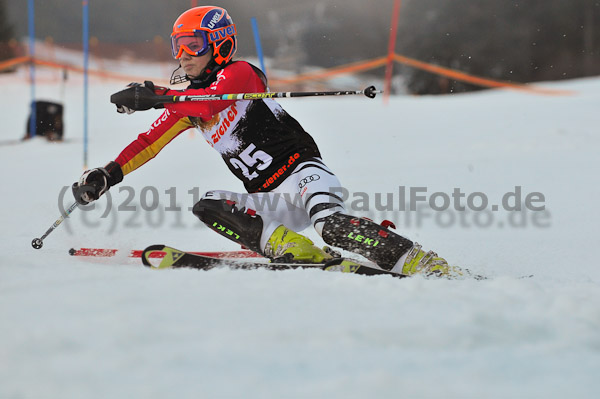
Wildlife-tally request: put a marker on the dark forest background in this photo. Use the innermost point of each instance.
(520, 41)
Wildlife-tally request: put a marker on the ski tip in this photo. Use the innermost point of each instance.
(148, 251)
(169, 256)
(72, 251)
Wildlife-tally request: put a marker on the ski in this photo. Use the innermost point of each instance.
(174, 258)
(137, 253)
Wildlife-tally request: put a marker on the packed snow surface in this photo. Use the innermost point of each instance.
(99, 328)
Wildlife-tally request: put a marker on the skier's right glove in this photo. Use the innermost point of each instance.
(138, 97)
(95, 182)
(123, 109)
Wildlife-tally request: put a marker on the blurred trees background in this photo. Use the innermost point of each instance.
(6, 34)
(521, 41)
(514, 40)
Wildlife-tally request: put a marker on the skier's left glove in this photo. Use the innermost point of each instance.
(95, 182)
(138, 97)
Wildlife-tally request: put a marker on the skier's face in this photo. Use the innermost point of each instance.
(193, 66)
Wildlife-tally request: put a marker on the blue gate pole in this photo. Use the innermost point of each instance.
(86, 55)
(31, 14)
(259, 50)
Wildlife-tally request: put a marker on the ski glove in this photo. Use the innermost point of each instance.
(138, 97)
(95, 182)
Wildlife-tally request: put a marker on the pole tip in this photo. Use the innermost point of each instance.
(371, 91)
(37, 243)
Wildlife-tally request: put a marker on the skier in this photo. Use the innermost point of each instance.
(262, 145)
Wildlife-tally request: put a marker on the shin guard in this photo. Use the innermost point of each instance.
(232, 221)
(366, 238)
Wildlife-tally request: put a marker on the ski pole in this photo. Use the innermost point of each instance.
(370, 92)
(37, 243)
(127, 96)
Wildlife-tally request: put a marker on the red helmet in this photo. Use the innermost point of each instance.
(199, 29)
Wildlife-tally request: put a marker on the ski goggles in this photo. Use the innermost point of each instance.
(194, 43)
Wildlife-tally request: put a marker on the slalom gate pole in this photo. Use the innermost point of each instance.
(34, 116)
(37, 243)
(257, 42)
(86, 58)
(370, 92)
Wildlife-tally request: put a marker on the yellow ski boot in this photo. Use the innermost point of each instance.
(289, 246)
(428, 264)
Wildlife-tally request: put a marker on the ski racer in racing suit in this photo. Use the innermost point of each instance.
(264, 147)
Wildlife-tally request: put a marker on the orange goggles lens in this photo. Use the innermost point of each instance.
(195, 44)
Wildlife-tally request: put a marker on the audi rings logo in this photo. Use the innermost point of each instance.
(308, 179)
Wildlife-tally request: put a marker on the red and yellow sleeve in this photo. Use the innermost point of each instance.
(237, 77)
(149, 144)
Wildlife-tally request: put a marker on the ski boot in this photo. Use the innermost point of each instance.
(428, 264)
(285, 245)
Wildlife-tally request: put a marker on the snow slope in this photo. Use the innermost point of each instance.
(97, 329)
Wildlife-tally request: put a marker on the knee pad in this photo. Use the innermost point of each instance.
(232, 221)
(366, 238)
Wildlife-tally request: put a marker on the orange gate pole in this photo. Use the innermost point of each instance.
(389, 69)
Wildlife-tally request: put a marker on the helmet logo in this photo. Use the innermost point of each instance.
(221, 34)
(214, 20)
(179, 26)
